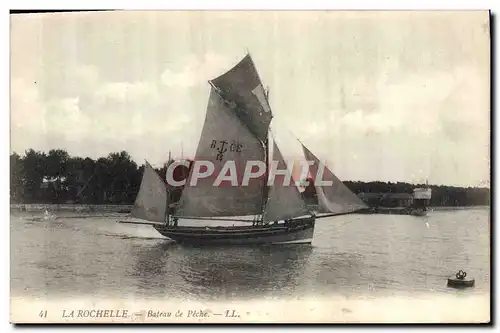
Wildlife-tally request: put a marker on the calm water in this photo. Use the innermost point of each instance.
(351, 256)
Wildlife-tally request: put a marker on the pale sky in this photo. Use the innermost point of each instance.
(389, 96)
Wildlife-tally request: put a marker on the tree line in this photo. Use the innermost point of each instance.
(56, 177)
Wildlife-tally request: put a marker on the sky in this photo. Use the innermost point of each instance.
(388, 96)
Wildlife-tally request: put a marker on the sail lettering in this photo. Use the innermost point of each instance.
(235, 147)
(221, 146)
(221, 150)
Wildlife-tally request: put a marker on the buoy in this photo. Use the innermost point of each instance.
(460, 281)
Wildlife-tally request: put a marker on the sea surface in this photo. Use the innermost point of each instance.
(356, 256)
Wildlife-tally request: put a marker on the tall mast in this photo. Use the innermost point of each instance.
(265, 189)
(166, 210)
(168, 191)
(166, 185)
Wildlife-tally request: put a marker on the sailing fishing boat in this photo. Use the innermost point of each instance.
(236, 129)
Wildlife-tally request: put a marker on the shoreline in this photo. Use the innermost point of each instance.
(126, 208)
(71, 208)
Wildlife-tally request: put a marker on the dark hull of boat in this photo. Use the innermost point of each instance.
(297, 232)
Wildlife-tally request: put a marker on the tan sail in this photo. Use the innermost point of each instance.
(151, 201)
(242, 88)
(335, 198)
(284, 202)
(224, 138)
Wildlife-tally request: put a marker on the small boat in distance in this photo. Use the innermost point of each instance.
(236, 129)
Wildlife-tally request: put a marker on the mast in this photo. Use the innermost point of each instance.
(168, 192)
(166, 210)
(265, 188)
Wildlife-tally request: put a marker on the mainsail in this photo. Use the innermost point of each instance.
(224, 138)
(335, 198)
(284, 200)
(151, 201)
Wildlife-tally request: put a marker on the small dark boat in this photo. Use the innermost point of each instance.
(460, 281)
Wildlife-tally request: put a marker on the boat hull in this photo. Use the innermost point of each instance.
(297, 232)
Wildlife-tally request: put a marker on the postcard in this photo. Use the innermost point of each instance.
(250, 167)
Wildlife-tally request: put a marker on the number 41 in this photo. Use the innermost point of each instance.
(43, 314)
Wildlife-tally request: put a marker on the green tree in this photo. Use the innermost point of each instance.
(122, 171)
(16, 179)
(33, 165)
(55, 171)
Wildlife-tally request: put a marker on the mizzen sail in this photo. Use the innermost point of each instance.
(151, 201)
(242, 88)
(284, 200)
(224, 138)
(335, 198)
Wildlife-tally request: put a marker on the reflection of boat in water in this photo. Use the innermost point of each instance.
(213, 272)
(236, 130)
(418, 212)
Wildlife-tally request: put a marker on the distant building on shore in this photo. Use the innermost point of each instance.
(387, 199)
(419, 198)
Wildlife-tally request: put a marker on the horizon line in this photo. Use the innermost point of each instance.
(162, 164)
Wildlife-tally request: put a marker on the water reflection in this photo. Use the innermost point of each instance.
(222, 272)
(375, 255)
